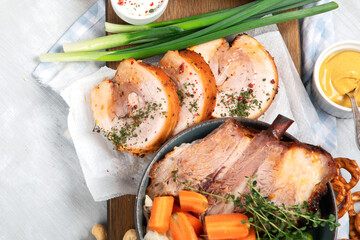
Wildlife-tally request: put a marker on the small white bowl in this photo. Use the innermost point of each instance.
(138, 20)
(319, 96)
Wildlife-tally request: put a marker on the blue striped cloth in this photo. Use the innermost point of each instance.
(317, 34)
(87, 26)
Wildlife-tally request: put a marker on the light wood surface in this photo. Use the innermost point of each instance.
(121, 209)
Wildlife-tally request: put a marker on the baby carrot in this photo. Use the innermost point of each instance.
(193, 202)
(180, 227)
(195, 223)
(160, 213)
(227, 226)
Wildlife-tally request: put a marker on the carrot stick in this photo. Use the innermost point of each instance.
(176, 208)
(227, 226)
(181, 228)
(160, 213)
(195, 223)
(193, 202)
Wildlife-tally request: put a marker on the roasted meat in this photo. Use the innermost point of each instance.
(246, 76)
(138, 109)
(290, 172)
(195, 86)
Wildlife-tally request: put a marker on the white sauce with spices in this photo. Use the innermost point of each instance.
(140, 7)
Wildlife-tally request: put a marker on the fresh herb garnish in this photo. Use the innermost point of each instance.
(181, 96)
(131, 122)
(269, 220)
(239, 104)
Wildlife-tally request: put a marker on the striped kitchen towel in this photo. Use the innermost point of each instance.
(59, 75)
(317, 34)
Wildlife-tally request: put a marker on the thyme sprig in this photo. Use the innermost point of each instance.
(269, 220)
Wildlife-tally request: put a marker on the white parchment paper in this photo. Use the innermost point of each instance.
(109, 173)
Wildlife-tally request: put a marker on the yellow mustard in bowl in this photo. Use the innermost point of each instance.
(339, 74)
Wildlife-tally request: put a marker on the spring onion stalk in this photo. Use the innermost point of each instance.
(72, 57)
(281, 7)
(157, 42)
(122, 39)
(120, 28)
(237, 18)
(282, 17)
(181, 44)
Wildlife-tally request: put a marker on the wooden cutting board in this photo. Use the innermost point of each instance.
(121, 210)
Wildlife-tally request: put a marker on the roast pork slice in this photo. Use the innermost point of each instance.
(199, 162)
(213, 53)
(195, 83)
(263, 148)
(138, 109)
(246, 76)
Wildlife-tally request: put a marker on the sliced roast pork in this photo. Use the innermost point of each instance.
(213, 53)
(288, 172)
(246, 76)
(195, 83)
(138, 109)
(199, 162)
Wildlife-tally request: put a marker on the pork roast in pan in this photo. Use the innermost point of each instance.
(288, 172)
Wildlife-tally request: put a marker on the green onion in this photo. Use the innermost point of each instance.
(120, 28)
(157, 42)
(218, 30)
(223, 19)
(155, 50)
(274, 9)
(121, 39)
(237, 18)
(284, 7)
(72, 57)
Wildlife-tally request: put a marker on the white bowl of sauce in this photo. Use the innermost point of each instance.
(336, 72)
(139, 12)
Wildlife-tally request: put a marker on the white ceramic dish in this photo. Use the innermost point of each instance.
(320, 98)
(138, 20)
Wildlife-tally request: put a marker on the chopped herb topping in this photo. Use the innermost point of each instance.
(131, 122)
(239, 105)
(181, 96)
(194, 106)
